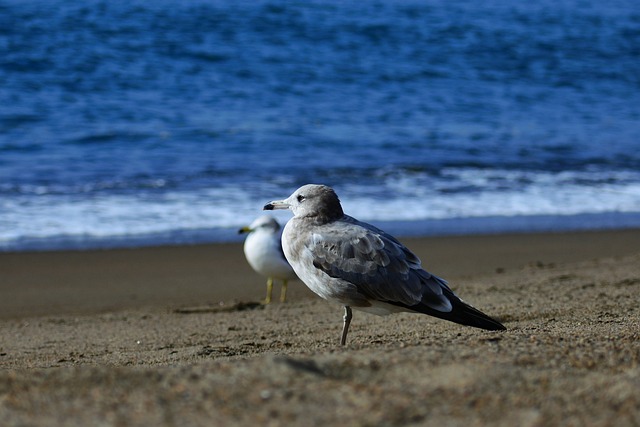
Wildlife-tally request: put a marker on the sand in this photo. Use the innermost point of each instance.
(175, 336)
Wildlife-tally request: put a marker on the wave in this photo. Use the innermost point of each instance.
(456, 194)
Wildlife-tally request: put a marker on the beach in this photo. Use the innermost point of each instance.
(175, 335)
(497, 140)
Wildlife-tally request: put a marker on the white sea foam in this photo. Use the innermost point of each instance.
(461, 193)
(481, 194)
(570, 200)
(52, 216)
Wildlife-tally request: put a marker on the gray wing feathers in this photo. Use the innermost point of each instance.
(377, 265)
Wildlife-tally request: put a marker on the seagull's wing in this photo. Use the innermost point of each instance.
(377, 264)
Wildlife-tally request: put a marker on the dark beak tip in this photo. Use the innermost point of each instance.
(268, 207)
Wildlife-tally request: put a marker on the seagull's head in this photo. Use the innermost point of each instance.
(265, 222)
(312, 201)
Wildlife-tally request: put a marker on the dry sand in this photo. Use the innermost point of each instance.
(172, 336)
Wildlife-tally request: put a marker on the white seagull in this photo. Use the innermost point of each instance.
(263, 250)
(358, 265)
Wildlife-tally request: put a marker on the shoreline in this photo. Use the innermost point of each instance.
(443, 227)
(42, 283)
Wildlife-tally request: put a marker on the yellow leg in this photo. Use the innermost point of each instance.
(283, 292)
(267, 300)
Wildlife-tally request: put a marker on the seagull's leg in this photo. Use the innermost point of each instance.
(347, 322)
(267, 300)
(283, 292)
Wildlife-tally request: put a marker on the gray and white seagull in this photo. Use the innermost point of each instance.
(358, 265)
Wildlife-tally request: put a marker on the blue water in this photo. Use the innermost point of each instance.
(137, 122)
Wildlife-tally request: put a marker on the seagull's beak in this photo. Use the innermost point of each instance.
(245, 230)
(276, 204)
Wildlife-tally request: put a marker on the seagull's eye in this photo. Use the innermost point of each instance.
(300, 198)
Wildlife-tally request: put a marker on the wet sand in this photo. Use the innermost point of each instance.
(175, 336)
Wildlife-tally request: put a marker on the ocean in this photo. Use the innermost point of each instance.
(126, 123)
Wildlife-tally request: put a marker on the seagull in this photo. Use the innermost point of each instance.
(263, 251)
(360, 266)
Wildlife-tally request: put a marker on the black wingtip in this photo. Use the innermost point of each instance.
(463, 314)
(489, 324)
(467, 315)
(470, 316)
